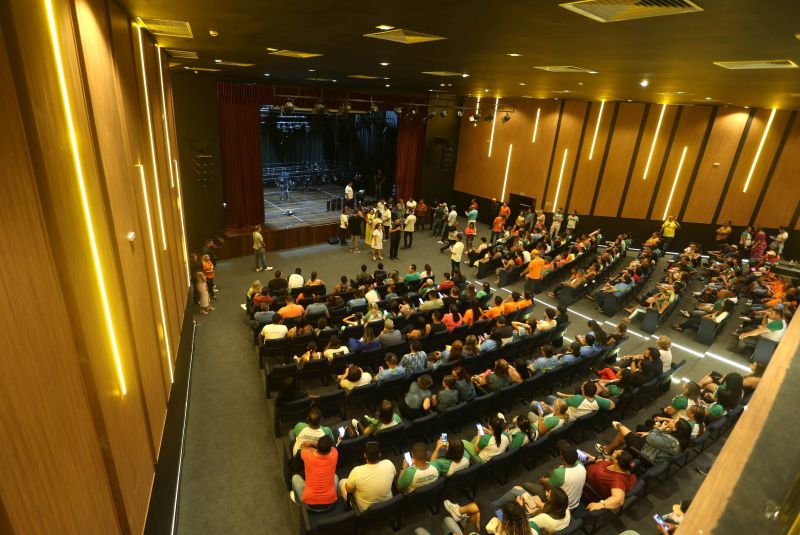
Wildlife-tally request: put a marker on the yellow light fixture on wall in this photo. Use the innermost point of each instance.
(179, 200)
(597, 128)
(505, 179)
(156, 272)
(655, 138)
(494, 123)
(560, 177)
(758, 152)
(674, 183)
(165, 117)
(152, 142)
(536, 124)
(87, 213)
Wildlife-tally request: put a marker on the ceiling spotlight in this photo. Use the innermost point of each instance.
(489, 117)
(459, 113)
(522, 83)
(428, 117)
(345, 108)
(384, 63)
(384, 27)
(312, 70)
(414, 110)
(373, 108)
(485, 90)
(644, 83)
(398, 110)
(505, 118)
(272, 49)
(217, 61)
(213, 33)
(387, 85)
(334, 81)
(465, 75)
(474, 118)
(266, 74)
(443, 113)
(708, 98)
(442, 84)
(514, 54)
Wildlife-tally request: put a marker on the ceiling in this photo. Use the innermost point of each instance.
(674, 53)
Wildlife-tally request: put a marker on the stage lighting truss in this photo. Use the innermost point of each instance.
(293, 123)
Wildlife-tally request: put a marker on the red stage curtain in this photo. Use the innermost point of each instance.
(240, 140)
(410, 150)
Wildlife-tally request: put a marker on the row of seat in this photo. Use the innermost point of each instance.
(569, 295)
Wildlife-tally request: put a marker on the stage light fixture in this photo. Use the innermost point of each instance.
(319, 107)
(489, 117)
(288, 107)
(459, 113)
(428, 117)
(398, 110)
(443, 113)
(345, 108)
(414, 110)
(505, 118)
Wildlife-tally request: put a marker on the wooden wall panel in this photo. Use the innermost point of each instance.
(640, 190)
(692, 127)
(721, 149)
(738, 205)
(588, 170)
(623, 141)
(529, 164)
(475, 173)
(512, 132)
(784, 189)
(53, 475)
(569, 134)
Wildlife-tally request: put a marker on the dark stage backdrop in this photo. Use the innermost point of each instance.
(353, 143)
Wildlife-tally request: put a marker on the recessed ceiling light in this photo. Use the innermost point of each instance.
(388, 85)
(312, 70)
(644, 83)
(334, 81)
(580, 83)
(708, 98)
(486, 90)
(514, 54)
(213, 33)
(441, 85)
(384, 63)
(217, 61)
(629, 100)
(272, 49)
(465, 75)
(266, 74)
(522, 83)
(386, 78)
(384, 27)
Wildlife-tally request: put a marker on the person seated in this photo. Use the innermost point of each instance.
(549, 513)
(576, 279)
(419, 473)
(379, 275)
(473, 313)
(496, 310)
(369, 483)
(263, 315)
(655, 446)
(385, 419)
(278, 285)
(591, 347)
(307, 433)
(464, 384)
(453, 318)
(317, 308)
(373, 313)
(372, 296)
(433, 301)
(617, 387)
(548, 321)
(291, 309)
(610, 479)
(317, 490)
(587, 402)
(448, 456)
(390, 336)
(446, 284)
(392, 369)
(436, 324)
(521, 431)
(343, 286)
(295, 279)
(358, 300)
(772, 328)
(354, 377)
(419, 399)
(494, 380)
(314, 280)
(451, 353)
(363, 278)
(334, 348)
(310, 354)
(490, 441)
(485, 290)
(515, 519)
(365, 343)
(448, 395)
(659, 301)
(492, 342)
(664, 345)
(412, 275)
(275, 330)
(547, 359)
(262, 298)
(300, 328)
(703, 310)
(572, 355)
(323, 329)
(616, 288)
(419, 327)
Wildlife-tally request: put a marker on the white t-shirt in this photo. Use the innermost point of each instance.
(411, 220)
(386, 217)
(526, 256)
(411, 204)
(373, 483)
(330, 353)
(492, 449)
(343, 221)
(457, 251)
(572, 221)
(666, 359)
(274, 332)
(295, 281)
(348, 192)
(548, 524)
(372, 296)
(258, 240)
(452, 217)
(365, 379)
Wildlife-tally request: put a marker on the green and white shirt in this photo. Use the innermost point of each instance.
(304, 433)
(518, 439)
(715, 411)
(550, 421)
(447, 467)
(413, 477)
(581, 406)
(681, 404)
(776, 329)
(377, 425)
(489, 448)
(571, 479)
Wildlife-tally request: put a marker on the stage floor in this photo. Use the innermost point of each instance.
(308, 207)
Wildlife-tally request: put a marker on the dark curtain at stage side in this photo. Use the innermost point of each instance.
(410, 149)
(240, 140)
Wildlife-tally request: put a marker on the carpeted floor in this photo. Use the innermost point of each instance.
(232, 478)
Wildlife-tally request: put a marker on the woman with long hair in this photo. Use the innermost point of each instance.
(448, 457)
(490, 441)
(471, 348)
(464, 385)
(203, 301)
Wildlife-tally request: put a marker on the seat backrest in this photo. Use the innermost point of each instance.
(331, 402)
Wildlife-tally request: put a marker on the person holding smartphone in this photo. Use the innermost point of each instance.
(419, 472)
(570, 477)
(448, 456)
(490, 441)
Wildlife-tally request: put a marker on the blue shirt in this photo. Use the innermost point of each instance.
(414, 362)
(391, 373)
(357, 346)
(353, 303)
(568, 358)
(543, 363)
(415, 396)
(466, 390)
(620, 288)
(487, 345)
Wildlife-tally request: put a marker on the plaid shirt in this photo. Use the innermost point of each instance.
(414, 362)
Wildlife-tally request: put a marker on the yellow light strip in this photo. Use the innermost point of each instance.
(560, 176)
(536, 125)
(156, 274)
(655, 138)
(165, 117)
(183, 228)
(494, 123)
(152, 143)
(758, 152)
(674, 183)
(478, 104)
(505, 179)
(597, 128)
(87, 215)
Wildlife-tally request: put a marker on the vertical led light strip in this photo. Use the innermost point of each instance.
(494, 123)
(183, 228)
(674, 183)
(152, 143)
(165, 118)
(536, 124)
(156, 273)
(758, 152)
(560, 176)
(478, 105)
(87, 215)
(655, 138)
(505, 180)
(597, 128)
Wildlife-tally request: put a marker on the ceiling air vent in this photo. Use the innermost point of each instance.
(183, 54)
(442, 73)
(757, 64)
(564, 68)
(171, 28)
(406, 37)
(617, 10)
(294, 54)
(363, 76)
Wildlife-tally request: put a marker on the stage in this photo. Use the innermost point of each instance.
(308, 207)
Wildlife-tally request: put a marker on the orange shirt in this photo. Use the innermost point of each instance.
(524, 303)
(292, 310)
(497, 226)
(535, 268)
(505, 211)
(510, 306)
(208, 270)
(493, 312)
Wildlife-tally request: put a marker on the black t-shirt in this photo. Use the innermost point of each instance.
(645, 374)
(354, 225)
(438, 327)
(506, 331)
(276, 285)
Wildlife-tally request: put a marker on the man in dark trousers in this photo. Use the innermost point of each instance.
(354, 226)
(394, 238)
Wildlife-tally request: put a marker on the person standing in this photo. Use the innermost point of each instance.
(260, 250)
(779, 240)
(456, 251)
(539, 219)
(668, 229)
(349, 194)
(408, 230)
(439, 215)
(422, 214)
(386, 220)
(377, 242)
(201, 287)
(452, 221)
(343, 226)
(354, 226)
(210, 274)
(572, 222)
(379, 180)
(722, 233)
(472, 213)
(394, 238)
(497, 228)
(555, 226)
(745, 240)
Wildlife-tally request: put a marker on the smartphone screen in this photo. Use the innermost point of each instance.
(444, 437)
(420, 300)
(499, 514)
(583, 456)
(407, 456)
(660, 521)
(540, 407)
(480, 428)
(341, 432)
